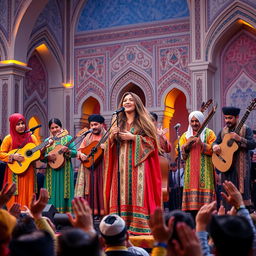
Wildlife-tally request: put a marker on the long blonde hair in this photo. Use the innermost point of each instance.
(143, 123)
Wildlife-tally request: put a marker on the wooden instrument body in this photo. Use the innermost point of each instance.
(29, 156)
(60, 159)
(164, 166)
(224, 159)
(97, 155)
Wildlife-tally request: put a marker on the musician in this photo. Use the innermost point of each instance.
(239, 172)
(164, 144)
(199, 174)
(140, 175)
(83, 184)
(25, 182)
(60, 182)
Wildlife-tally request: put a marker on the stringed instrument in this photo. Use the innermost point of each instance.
(206, 121)
(164, 166)
(59, 153)
(30, 152)
(97, 154)
(206, 105)
(223, 160)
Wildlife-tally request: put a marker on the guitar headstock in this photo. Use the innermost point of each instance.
(60, 134)
(206, 105)
(252, 105)
(81, 132)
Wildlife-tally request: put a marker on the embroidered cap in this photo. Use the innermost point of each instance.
(112, 226)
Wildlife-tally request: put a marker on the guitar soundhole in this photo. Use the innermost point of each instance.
(230, 143)
(29, 153)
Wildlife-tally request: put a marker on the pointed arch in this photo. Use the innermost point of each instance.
(22, 28)
(136, 78)
(36, 110)
(174, 80)
(49, 52)
(226, 25)
(85, 98)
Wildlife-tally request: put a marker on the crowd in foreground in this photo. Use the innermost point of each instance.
(212, 233)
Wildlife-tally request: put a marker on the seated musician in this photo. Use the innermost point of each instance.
(83, 183)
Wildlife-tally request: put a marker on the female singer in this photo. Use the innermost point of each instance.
(25, 182)
(140, 175)
(60, 182)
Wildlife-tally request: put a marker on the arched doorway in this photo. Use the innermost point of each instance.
(175, 112)
(34, 121)
(90, 106)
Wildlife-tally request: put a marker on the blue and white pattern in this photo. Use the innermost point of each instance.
(99, 14)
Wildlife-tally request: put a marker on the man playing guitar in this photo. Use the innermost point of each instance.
(239, 171)
(84, 179)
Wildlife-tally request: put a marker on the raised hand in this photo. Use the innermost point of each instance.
(37, 206)
(204, 216)
(160, 231)
(15, 210)
(83, 215)
(232, 195)
(188, 244)
(6, 193)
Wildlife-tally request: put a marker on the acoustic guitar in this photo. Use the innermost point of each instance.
(60, 158)
(97, 154)
(30, 152)
(223, 160)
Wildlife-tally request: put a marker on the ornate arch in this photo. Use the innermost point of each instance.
(22, 28)
(91, 90)
(50, 56)
(225, 25)
(174, 80)
(36, 110)
(139, 80)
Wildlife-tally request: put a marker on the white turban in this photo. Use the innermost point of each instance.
(200, 117)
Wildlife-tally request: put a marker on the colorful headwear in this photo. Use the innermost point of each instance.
(232, 111)
(200, 117)
(17, 138)
(112, 228)
(96, 118)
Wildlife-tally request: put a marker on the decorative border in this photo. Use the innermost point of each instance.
(139, 80)
(223, 24)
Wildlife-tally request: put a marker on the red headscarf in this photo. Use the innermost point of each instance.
(17, 138)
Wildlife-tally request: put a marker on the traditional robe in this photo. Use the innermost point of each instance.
(60, 182)
(239, 172)
(83, 182)
(25, 181)
(140, 181)
(199, 186)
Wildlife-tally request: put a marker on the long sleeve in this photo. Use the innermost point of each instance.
(207, 147)
(248, 142)
(5, 148)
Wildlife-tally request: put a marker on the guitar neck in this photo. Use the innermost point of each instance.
(68, 143)
(42, 145)
(242, 121)
(206, 121)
